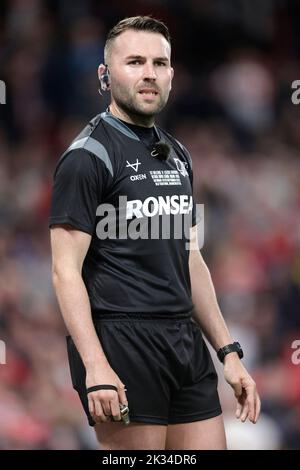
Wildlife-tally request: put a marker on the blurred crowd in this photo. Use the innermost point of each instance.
(231, 107)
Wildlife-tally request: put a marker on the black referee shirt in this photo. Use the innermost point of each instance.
(107, 163)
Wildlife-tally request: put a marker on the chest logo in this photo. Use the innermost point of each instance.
(181, 167)
(134, 166)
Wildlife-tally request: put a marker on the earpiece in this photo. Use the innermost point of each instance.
(104, 79)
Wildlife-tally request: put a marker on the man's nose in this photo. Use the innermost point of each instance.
(149, 72)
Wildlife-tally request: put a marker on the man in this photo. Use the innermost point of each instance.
(134, 305)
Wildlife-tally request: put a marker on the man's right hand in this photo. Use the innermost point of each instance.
(104, 405)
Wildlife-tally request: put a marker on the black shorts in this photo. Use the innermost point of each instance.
(163, 362)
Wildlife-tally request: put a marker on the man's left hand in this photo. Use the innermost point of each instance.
(248, 401)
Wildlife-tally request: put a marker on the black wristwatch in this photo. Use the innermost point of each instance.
(234, 347)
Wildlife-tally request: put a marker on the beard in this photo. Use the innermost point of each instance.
(129, 103)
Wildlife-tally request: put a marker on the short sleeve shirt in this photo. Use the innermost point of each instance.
(138, 210)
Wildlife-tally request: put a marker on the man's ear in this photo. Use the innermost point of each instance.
(103, 74)
(172, 76)
(101, 70)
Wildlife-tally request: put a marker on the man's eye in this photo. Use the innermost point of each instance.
(161, 63)
(135, 62)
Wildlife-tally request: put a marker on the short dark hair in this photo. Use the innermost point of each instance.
(137, 23)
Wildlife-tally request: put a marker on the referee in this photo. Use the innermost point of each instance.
(134, 299)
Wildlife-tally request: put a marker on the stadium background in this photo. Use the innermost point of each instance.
(234, 61)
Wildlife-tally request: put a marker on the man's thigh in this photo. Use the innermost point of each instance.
(208, 434)
(135, 436)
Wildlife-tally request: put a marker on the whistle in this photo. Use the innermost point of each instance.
(125, 414)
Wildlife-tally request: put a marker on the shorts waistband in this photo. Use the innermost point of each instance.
(113, 316)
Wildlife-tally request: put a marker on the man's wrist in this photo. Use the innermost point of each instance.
(231, 357)
(92, 364)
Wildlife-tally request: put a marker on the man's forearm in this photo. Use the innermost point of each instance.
(76, 311)
(207, 312)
